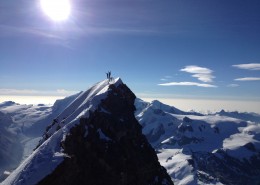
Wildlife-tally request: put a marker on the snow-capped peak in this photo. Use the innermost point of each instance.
(7, 103)
(98, 135)
(49, 154)
(85, 102)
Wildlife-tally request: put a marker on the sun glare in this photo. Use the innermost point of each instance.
(57, 10)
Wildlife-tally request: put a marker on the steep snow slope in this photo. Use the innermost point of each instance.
(100, 118)
(221, 148)
(10, 146)
(21, 127)
(81, 106)
(49, 155)
(32, 119)
(158, 120)
(37, 128)
(202, 149)
(156, 105)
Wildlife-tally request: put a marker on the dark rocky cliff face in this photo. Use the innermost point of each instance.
(225, 168)
(108, 148)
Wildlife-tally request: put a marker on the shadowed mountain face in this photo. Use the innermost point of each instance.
(10, 154)
(240, 115)
(113, 151)
(221, 148)
(95, 135)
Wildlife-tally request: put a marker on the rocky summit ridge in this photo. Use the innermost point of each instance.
(95, 140)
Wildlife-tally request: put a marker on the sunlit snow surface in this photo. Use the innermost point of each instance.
(177, 166)
(85, 102)
(177, 135)
(41, 163)
(25, 115)
(21, 128)
(49, 155)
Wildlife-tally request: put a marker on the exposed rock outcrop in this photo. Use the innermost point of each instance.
(96, 140)
(113, 151)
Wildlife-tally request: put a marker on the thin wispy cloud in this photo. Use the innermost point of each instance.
(166, 78)
(7, 30)
(248, 79)
(250, 66)
(32, 92)
(71, 31)
(64, 91)
(49, 37)
(232, 85)
(63, 37)
(187, 84)
(18, 92)
(201, 73)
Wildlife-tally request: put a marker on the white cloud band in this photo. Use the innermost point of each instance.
(31, 92)
(250, 66)
(187, 84)
(232, 85)
(248, 79)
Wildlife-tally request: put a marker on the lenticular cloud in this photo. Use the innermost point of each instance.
(201, 73)
(250, 66)
(187, 84)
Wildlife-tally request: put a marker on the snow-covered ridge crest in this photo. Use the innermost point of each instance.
(80, 107)
(39, 164)
(99, 142)
(49, 154)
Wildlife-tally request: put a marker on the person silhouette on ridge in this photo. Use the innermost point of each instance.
(109, 76)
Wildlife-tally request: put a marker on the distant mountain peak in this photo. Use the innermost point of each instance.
(7, 103)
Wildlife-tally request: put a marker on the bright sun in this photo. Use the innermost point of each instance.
(57, 10)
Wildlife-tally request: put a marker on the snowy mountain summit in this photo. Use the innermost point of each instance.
(95, 140)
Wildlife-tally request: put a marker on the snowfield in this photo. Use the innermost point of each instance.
(42, 161)
(25, 115)
(21, 128)
(219, 148)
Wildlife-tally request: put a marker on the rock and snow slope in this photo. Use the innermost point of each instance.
(21, 127)
(95, 140)
(220, 148)
(203, 149)
(9, 146)
(32, 119)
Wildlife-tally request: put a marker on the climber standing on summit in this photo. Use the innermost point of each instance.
(109, 76)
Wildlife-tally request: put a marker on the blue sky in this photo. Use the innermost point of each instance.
(161, 49)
